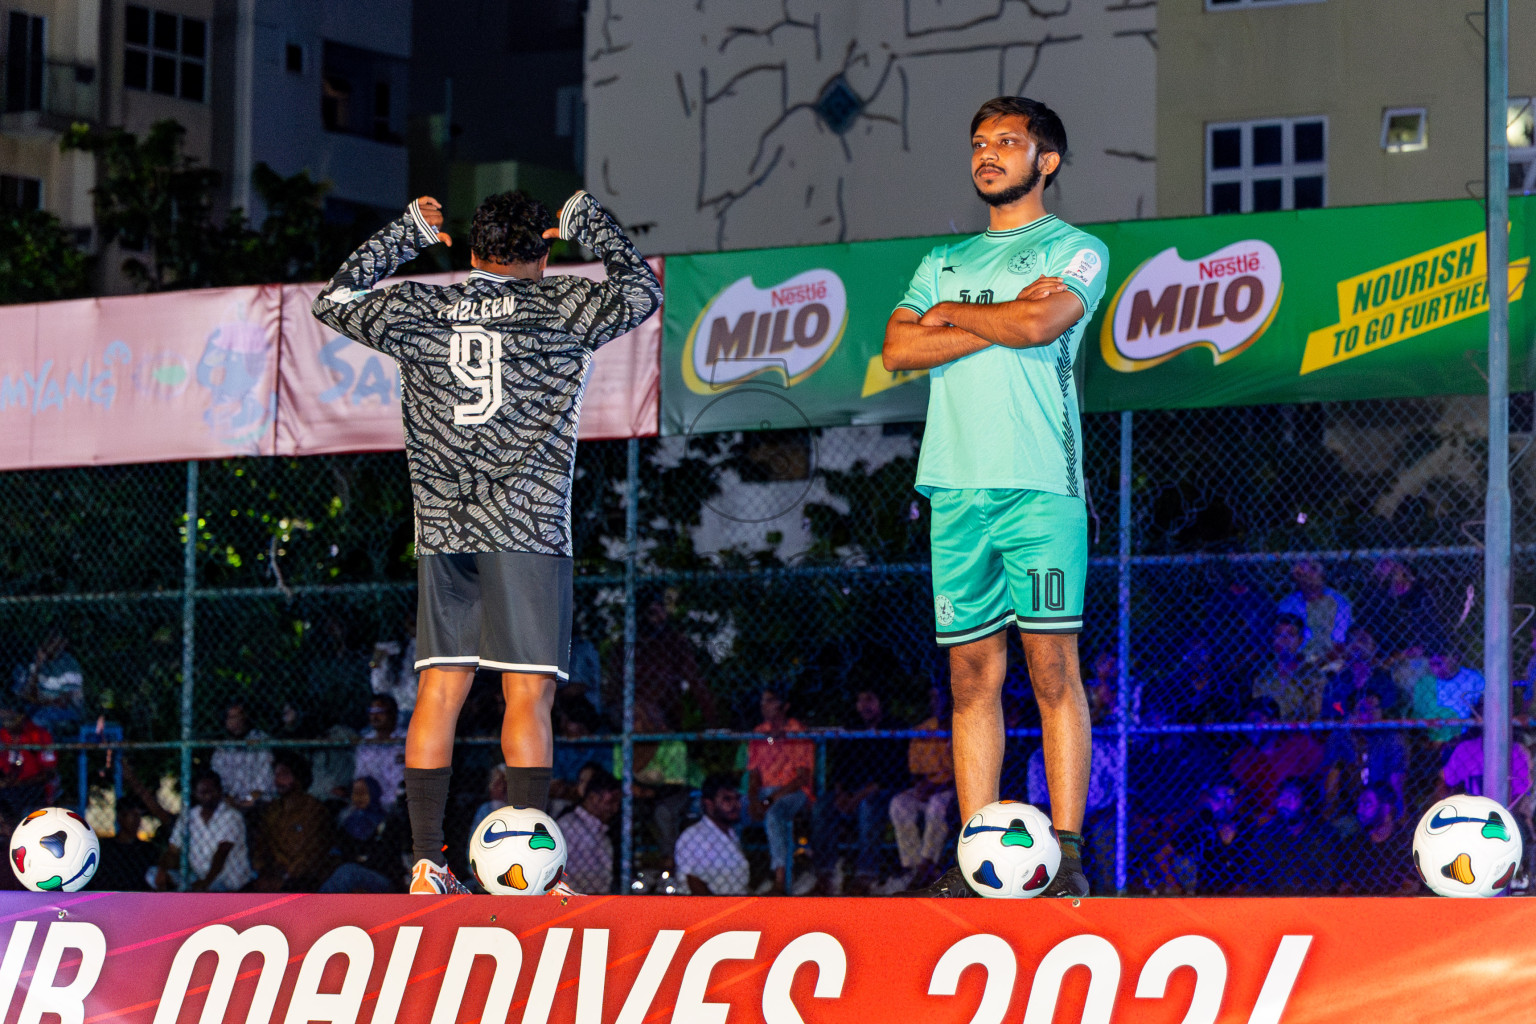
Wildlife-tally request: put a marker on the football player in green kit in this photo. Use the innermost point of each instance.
(996, 320)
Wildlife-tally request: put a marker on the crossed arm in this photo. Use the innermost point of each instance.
(1040, 314)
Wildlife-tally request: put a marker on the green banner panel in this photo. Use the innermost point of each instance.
(1314, 305)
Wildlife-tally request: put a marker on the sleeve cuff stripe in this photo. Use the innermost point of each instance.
(421, 222)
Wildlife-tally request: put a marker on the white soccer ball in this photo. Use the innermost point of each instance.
(54, 850)
(517, 851)
(1008, 849)
(1467, 846)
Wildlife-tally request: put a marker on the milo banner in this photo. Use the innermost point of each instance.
(1315, 305)
(783, 338)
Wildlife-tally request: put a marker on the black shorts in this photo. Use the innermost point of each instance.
(509, 611)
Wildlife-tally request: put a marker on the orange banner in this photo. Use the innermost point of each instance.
(154, 959)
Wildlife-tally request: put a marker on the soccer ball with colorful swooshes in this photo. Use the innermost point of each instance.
(54, 850)
(1467, 846)
(517, 851)
(1008, 849)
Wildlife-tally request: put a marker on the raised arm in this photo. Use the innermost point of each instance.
(598, 312)
(349, 304)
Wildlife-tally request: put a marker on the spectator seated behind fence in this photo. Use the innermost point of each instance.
(1448, 689)
(931, 767)
(1268, 757)
(371, 843)
(392, 670)
(213, 834)
(667, 672)
(246, 770)
(1292, 852)
(52, 686)
(661, 787)
(127, 861)
(1356, 758)
(1325, 612)
(709, 855)
(1359, 675)
(574, 717)
(1288, 678)
(292, 851)
(589, 863)
(779, 778)
(381, 749)
(862, 776)
(1400, 613)
(1377, 858)
(1212, 856)
(1463, 770)
(28, 778)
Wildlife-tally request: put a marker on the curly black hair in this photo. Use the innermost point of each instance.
(508, 228)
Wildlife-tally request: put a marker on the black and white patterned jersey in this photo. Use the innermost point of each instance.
(492, 372)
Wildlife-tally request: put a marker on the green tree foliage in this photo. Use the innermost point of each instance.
(159, 201)
(39, 261)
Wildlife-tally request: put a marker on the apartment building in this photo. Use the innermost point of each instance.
(1290, 104)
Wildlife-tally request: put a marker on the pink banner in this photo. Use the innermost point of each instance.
(335, 395)
(225, 372)
(185, 375)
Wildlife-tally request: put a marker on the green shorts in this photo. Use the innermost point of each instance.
(1004, 557)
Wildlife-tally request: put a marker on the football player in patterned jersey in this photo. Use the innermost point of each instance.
(491, 374)
(996, 320)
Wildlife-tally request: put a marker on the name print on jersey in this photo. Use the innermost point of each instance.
(474, 356)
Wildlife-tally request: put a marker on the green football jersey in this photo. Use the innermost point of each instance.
(1004, 417)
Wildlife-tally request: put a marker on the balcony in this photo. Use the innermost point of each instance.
(44, 101)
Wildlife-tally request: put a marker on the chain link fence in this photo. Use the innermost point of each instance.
(1281, 605)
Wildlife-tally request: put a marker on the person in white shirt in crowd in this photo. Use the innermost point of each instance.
(1325, 611)
(588, 846)
(392, 671)
(381, 749)
(213, 834)
(709, 853)
(246, 771)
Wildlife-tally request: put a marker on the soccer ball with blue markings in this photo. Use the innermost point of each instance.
(1008, 849)
(517, 851)
(1467, 846)
(54, 850)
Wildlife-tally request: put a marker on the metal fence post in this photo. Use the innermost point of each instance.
(1496, 531)
(188, 617)
(1123, 652)
(631, 568)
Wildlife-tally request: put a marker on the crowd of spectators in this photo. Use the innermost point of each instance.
(1276, 746)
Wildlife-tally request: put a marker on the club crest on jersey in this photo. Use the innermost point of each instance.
(787, 330)
(1023, 262)
(944, 610)
(1224, 302)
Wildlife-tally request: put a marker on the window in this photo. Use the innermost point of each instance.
(1405, 130)
(1521, 135)
(165, 53)
(293, 59)
(24, 62)
(357, 91)
(1275, 164)
(1224, 5)
(20, 193)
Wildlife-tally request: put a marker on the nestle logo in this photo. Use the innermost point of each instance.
(811, 291)
(787, 331)
(1227, 266)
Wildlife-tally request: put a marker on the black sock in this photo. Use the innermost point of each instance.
(1072, 844)
(528, 787)
(426, 798)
